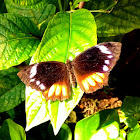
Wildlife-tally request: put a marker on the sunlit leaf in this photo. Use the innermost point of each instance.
(103, 125)
(36, 108)
(66, 36)
(122, 135)
(134, 134)
(18, 39)
(59, 111)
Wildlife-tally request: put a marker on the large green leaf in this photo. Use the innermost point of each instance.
(103, 125)
(28, 3)
(99, 5)
(32, 3)
(134, 134)
(11, 131)
(37, 15)
(18, 39)
(131, 109)
(66, 36)
(124, 17)
(12, 91)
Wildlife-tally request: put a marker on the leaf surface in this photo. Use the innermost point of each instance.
(67, 35)
(131, 109)
(64, 133)
(39, 15)
(28, 3)
(36, 108)
(12, 131)
(134, 134)
(12, 90)
(103, 125)
(59, 111)
(124, 17)
(18, 39)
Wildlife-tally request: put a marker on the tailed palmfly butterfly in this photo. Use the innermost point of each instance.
(90, 70)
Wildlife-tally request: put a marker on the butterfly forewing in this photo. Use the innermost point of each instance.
(92, 66)
(51, 78)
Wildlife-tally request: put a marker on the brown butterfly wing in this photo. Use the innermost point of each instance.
(51, 78)
(92, 66)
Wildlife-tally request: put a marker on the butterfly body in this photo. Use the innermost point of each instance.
(90, 70)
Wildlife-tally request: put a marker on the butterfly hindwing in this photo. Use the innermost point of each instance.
(51, 78)
(93, 81)
(92, 67)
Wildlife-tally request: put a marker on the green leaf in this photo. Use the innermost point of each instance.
(11, 131)
(37, 14)
(59, 111)
(124, 17)
(12, 91)
(131, 121)
(134, 134)
(131, 109)
(36, 108)
(18, 39)
(103, 125)
(65, 37)
(64, 133)
(11, 113)
(131, 106)
(2, 7)
(99, 5)
(28, 3)
(122, 135)
(34, 4)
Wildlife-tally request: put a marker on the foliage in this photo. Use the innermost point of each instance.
(45, 30)
(11, 131)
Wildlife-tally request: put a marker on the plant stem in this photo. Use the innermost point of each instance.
(107, 9)
(60, 5)
(125, 128)
(92, 11)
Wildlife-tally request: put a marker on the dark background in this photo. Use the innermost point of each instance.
(127, 71)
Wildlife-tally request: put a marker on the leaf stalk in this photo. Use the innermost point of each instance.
(60, 5)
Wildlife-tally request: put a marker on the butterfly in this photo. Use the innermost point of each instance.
(90, 70)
